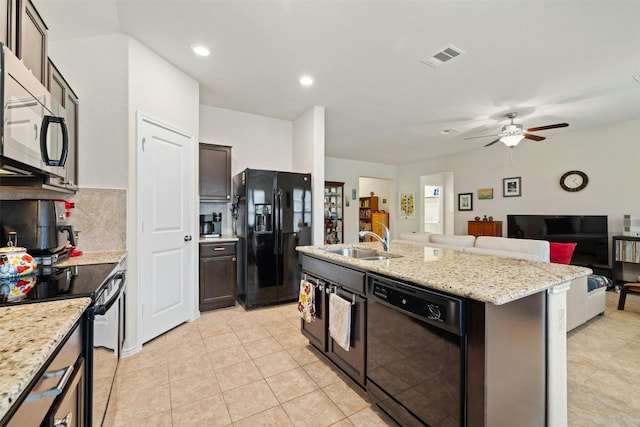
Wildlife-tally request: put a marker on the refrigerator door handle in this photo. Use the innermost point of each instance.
(280, 232)
(276, 249)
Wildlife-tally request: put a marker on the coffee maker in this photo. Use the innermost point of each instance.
(41, 225)
(211, 225)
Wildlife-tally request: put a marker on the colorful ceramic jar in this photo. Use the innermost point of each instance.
(15, 261)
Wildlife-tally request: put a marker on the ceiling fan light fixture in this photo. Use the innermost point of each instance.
(511, 140)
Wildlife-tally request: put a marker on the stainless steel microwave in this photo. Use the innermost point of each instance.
(34, 132)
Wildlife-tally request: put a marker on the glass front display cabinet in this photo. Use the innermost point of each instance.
(333, 210)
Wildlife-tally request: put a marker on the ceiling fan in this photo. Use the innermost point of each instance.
(513, 133)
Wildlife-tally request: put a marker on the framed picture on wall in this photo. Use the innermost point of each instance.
(511, 187)
(485, 193)
(465, 201)
(408, 205)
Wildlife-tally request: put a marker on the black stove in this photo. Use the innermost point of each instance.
(52, 282)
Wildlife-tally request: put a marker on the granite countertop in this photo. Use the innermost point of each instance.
(29, 333)
(491, 279)
(94, 258)
(221, 239)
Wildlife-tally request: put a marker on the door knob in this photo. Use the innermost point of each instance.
(187, 238)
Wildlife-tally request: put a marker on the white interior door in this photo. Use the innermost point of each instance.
(166, 190)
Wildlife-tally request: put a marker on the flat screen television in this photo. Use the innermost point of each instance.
(588, 231)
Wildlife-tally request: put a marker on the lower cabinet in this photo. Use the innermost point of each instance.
(58, 395)
(218, 275)
(348, 284)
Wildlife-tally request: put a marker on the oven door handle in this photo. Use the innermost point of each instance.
(102, 309)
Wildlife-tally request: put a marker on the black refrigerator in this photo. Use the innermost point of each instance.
(274, 216)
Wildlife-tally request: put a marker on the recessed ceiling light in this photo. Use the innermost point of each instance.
(200, 50)
(448, 131)
(306, 80)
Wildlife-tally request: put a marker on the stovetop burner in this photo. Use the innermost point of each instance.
(56, 283)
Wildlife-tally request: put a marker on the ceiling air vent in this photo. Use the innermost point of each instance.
(443, 56)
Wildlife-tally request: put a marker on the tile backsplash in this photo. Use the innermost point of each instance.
(210, 207)
(100, 215)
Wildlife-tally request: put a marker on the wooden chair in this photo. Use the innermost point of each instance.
(627, 288)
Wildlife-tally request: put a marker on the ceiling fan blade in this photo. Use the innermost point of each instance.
(534, 137)
(492, 142)
(483, 136)
(558, 125)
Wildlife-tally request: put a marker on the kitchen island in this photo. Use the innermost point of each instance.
(513, 339)
(30, 334)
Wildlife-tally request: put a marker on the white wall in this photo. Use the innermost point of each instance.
(349, 172)
(258, 142)
(308, 156)
(160, 91)
(608, 154)
(96, 69)
(114, 76)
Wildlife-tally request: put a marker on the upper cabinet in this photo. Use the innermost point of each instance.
(8, 23)
(31, 39)
(215, 172)
(24, 32)
(64, 95)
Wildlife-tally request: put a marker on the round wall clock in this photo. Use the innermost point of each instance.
(574, 181)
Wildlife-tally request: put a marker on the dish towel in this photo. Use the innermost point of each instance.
(306, 302)
(340, 320)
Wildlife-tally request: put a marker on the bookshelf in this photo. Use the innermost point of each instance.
(368, 205)
(626, 250)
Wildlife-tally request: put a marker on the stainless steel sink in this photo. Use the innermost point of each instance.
(362, 254)
(353, 252)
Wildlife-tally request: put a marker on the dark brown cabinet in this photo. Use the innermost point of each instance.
(24, 32)
(218, 275)
(8, 23)
(348, 284)
(316, 332)
(65, 96)
(215, 172)
(52, 399)
(31, 39)
(485, 228)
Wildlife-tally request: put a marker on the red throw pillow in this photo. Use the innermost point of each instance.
(561, 253)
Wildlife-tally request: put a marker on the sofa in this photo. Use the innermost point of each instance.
(585, 298)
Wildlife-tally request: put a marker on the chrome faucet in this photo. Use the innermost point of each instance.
(386, 240)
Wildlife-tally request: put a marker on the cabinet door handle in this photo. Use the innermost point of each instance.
(66, 421)
(218, 249)
(233, 259)
(65, 373)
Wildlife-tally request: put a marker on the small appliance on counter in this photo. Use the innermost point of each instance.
(42, 226)
(211, 225)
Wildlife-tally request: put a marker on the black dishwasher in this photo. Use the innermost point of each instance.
(415, 353)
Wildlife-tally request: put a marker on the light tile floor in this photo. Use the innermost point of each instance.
(254, 368)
